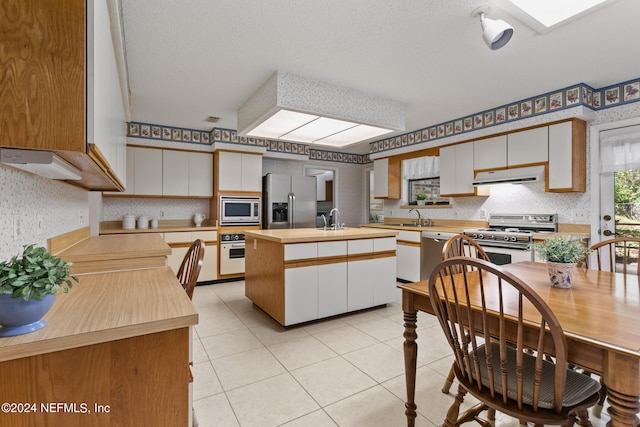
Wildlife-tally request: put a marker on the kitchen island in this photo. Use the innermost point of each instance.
(115, 352)
(300, 275)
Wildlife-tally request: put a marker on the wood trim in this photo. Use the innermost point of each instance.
(337, 259)
(64, 241)
(297, 263)
(96, 155)
(237, 151)
(408, 243)
(139, 196)
(371, 255)
(120, 264)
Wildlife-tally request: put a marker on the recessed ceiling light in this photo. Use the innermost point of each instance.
(545, 15)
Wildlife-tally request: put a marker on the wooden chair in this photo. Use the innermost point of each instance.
(460, 245)
(495, 367)
(605, 252)
(190, 268)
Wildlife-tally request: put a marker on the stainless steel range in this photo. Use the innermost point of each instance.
(509, 235)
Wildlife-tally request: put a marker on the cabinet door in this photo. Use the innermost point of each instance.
(148, 171)
(175, 259)
(490, 153)
(229, 171)
(332, 289)
(209, 269)
(384, 284)
(464, 168)
(529, 146)
(566, 159)
(361, 276)
(448, 170)
(408, 262)
(381, 178)
(131, 183)
(200, 174)
(300, 294)
(175, 177)
(251, 172)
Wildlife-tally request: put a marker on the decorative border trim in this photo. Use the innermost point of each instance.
(550, 102)
(575, 95)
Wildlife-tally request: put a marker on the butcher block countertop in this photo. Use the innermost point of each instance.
(302, 235)
(99, 248)
(106, 307)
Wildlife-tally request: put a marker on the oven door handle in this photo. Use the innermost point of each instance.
(237, 245)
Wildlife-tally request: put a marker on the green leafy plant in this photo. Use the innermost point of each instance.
(421, 196)
(34, 274)
(562, 249)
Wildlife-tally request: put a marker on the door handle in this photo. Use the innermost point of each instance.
(608, 233)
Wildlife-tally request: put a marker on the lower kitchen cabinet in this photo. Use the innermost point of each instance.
(408, 255)
(180, 242)
(332, 289)
(301, 294)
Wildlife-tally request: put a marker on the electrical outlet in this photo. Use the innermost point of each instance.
(161, 214)
(81, 216)
(483, 213)
(39, 225)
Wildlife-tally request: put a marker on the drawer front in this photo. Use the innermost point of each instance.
(384, 244)
(409, 236)
(178, 237)
(359, 246)
(300, 251)
(207, 236)
(332, 248)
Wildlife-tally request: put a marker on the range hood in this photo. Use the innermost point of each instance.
(44, 163)
(510, 176)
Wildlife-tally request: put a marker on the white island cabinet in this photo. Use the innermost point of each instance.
(300, 275)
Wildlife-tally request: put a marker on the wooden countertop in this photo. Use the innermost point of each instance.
(107, 307)
(164, 226)
(300, 235)
(100, 248)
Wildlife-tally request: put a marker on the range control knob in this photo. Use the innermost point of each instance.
(480, 236)
(514, 238)
(474, 235)
(506, 238)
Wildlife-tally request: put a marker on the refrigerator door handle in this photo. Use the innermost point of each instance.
(292, 209)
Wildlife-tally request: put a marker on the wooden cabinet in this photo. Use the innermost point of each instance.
(168, 173)
(181, 240)
(490, 153)
(567, 156)
(237, 171)
(387, 178)
(528, 147)
(62, 90)
(456, 170)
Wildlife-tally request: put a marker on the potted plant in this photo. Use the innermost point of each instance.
(562, 254)
(421, 198)
(28, 285)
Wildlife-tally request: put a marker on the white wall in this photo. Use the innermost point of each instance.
(63, 207)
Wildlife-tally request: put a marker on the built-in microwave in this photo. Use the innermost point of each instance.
(239, 210)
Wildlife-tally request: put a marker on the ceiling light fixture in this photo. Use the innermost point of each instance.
(495, 32)
(299, 109)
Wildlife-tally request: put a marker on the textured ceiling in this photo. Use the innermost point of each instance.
(188, 59)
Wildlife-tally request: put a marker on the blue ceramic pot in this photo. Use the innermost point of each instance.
(18, 316)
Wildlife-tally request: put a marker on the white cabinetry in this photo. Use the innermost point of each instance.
(408, 255)
(456, 170)
(300, 294)
(169, 173)
(147, 171)
(490, 153)
(371, 281)
(332, 279)
(529, 146)
(380, 178)
(567, 156)
(239, 171)
(180, 242)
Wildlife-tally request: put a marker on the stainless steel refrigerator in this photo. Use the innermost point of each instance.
(289, 201)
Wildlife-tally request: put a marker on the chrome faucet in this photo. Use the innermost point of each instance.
(419, 217)
(336, 219)
(324, 218)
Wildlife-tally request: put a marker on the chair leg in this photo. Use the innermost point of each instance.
(449, 381)
(454, 409)
(583, 418)
(597, 408)
(491, 416)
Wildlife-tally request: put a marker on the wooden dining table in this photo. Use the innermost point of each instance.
(600, 316)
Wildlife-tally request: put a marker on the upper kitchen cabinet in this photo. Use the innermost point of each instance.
(528, 147)
(490, 153)
(155, 172)
(61, 90)
(568, 156)
(456, 170)
(236, 171)
(387, 178)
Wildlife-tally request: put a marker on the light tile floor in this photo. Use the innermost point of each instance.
(346, 371)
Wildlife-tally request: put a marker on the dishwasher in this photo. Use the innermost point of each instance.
(431, 251)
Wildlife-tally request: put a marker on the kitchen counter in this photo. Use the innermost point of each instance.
(116, 252)
(301, 235)
(409, 227)
(300, 275)
(164, 226)
(107, 340)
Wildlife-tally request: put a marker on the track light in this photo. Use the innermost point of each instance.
(495, 32)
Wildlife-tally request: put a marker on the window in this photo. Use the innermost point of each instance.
(430, 187)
